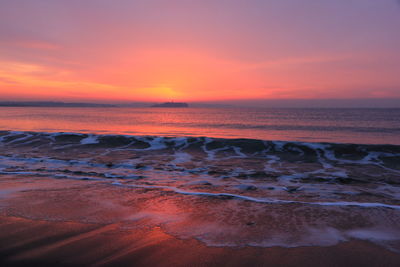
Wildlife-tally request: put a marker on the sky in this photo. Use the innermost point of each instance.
(204, 50)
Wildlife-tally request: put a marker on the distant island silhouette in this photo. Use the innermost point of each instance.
(171, 105)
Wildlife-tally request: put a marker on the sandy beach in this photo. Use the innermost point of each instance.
(47, 222)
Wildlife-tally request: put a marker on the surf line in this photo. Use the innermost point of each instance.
(262, 200)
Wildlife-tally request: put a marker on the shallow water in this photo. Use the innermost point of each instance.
(365, 126)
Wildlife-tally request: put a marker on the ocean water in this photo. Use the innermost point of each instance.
(361, 126)
(220, 176)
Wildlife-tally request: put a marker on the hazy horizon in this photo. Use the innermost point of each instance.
(272, 103)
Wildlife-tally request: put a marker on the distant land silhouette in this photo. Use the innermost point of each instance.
(171, 105)
(50, 104)
(250, 103)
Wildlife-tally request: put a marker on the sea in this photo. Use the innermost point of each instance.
(224, 176)
(357, 126)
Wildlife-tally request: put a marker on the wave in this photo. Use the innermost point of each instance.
(339, 152)
(110, 139)
(282, 163)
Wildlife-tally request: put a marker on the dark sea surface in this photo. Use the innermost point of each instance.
(361, 126)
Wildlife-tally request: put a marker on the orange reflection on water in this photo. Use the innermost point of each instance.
(347, 126)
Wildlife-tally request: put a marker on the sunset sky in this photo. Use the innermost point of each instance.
(205, 50)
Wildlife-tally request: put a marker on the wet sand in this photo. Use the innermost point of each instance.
(27, 242)
(42, 225)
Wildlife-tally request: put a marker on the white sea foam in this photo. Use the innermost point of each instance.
(91, 139)
(239, 152)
